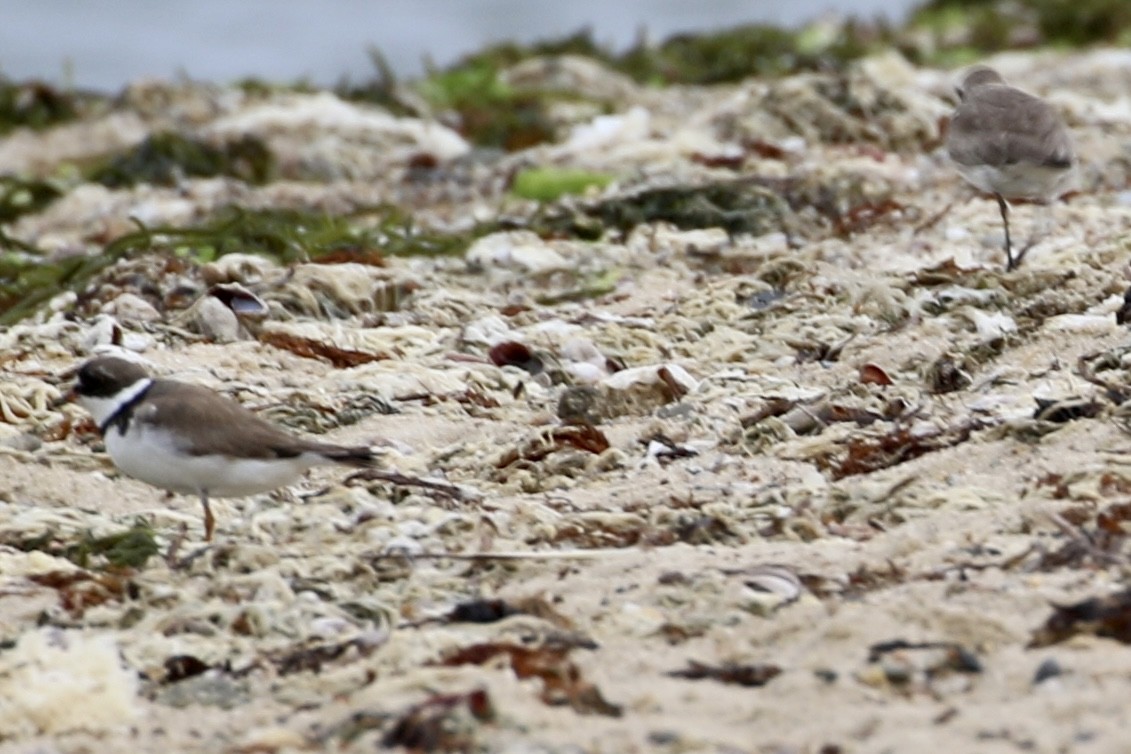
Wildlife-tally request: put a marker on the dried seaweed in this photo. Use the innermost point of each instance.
(738, 674)
(441, 723)
(310, 659)
(562, 683)
(1108, 617)
(579, 437)
(80, 590)
(956, 657)
(310, 348)
(863, 455)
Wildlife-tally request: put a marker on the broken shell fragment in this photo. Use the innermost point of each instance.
(511, 353)
(221, 313)
(240, 300)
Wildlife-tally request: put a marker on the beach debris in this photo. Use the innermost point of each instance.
(562, 682)
(514, 354)
(441, 723)
(311, 348)
(1123, 313)
(1108, 617)
(224, 311)
(553, 439)
(738, 674)
(947, 375)
(1066, 409)
(1047, 670)
(920, 666)
(873, 374)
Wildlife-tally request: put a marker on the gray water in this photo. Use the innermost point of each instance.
(105, 45)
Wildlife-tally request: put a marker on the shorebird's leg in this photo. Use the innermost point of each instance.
(1043, 226)
(209, 519)
(1010, 263)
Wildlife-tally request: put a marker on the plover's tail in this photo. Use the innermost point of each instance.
(361, 456)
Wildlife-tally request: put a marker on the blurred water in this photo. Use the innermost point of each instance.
(105, 45)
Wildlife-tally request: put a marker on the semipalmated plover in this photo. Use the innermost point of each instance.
(189, 439)
(1010, 144)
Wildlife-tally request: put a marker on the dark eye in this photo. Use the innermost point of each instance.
(92, 380)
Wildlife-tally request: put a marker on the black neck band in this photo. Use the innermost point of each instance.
(121, 417)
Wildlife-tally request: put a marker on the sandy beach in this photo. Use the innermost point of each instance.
(774, 457)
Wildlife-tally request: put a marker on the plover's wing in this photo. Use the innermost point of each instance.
(208, 423)
(211, 424)
(1000, 125)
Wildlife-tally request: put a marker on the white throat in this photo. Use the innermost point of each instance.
(101, 409)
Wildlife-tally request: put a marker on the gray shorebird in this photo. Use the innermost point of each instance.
(186, 438)
(1008, 143)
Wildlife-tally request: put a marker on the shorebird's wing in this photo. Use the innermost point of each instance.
(1000, 126)
(211, 424)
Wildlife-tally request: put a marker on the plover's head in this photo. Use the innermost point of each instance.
(979, 75)
(104, 384)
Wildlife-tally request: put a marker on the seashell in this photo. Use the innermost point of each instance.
(103, 331)
(130, 307)
(247, 269)
(215, 320)
(221, 313)
(774, 579)
(240, 300)
(517, 251)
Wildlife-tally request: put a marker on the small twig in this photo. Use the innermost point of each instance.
(512, 555)
(188, 560)
(174, 546)
(393, 477)
(1080, 538)
(932, 220)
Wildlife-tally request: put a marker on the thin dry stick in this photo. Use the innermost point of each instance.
(512, 555)
(1082, 540)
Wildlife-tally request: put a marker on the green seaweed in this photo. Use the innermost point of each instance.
(27, 282)
(38, 105)
(964, 30)
(128, 548)
(737, 206)
(285, 234)
(546, 184)
(381, 89)
(20, 197)
(729, 55)
(487, 111)
(291, 235)
(166, 157)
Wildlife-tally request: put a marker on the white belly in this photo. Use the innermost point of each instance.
(1019, 180)
(150, 456)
